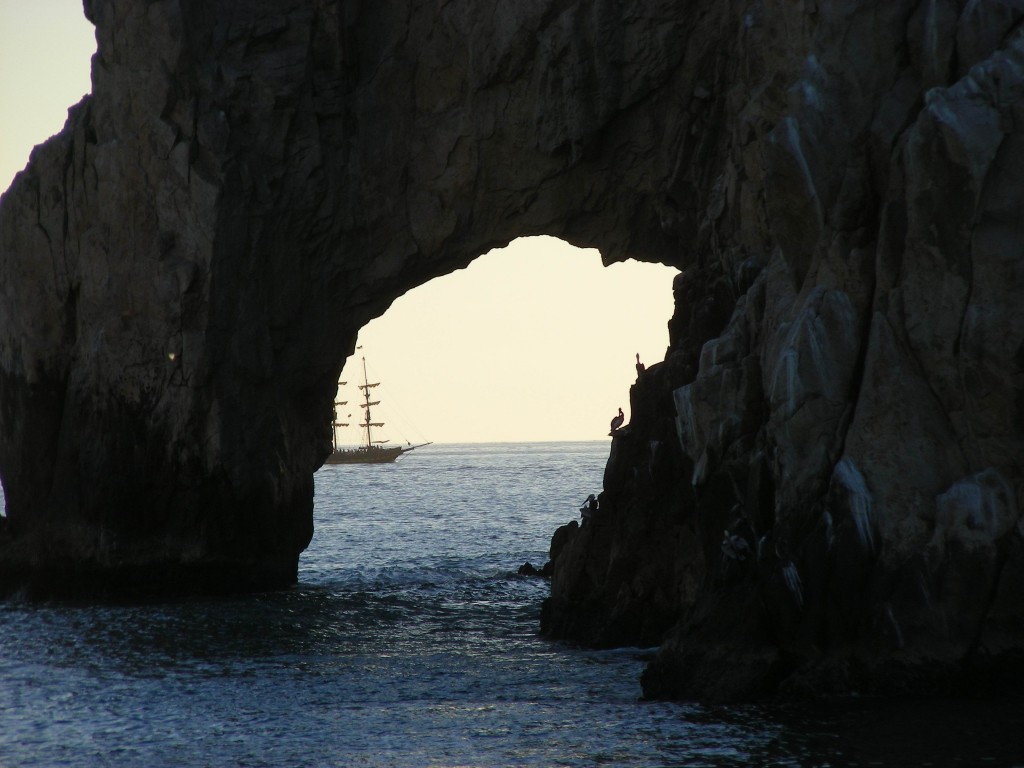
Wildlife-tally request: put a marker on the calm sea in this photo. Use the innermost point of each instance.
(411, 641)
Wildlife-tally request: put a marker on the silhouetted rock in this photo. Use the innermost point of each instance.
(529, 569)
(184, 269)
(850, 358)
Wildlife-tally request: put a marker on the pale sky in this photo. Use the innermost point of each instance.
(45, 48)
(536, 341)
(533, 342)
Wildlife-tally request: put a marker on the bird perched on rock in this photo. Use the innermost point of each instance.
(589, 507)
(617, 422)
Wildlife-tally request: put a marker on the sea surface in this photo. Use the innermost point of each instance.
(410, 640)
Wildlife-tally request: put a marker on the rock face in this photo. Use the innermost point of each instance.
(846, 374)
(820, 486)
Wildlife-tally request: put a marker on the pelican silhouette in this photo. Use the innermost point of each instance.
(617, 421)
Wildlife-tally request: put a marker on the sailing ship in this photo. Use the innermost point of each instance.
(371, 451)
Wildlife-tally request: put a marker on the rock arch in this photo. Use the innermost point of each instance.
(188, 262)
(184, 268)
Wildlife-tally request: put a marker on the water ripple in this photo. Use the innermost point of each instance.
(411, 641)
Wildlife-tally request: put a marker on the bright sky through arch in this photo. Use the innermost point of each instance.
(532, 342)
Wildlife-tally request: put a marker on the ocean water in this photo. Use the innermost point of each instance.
(411, 641)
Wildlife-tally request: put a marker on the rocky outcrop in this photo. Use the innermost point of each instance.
(820, 486)
(853, 432)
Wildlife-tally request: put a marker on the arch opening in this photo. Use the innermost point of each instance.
(533, 342)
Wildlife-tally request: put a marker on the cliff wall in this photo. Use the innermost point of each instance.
(820, 486)
(845, 379)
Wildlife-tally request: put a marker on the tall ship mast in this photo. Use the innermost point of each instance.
(334, 422)
(371, 451)
(367, 424)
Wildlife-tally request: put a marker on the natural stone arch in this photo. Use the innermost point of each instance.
(246, 186)
(184, 268)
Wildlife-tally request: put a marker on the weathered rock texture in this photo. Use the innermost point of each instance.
(184, 269)
(847, 367)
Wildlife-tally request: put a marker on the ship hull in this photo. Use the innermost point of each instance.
(365, 455)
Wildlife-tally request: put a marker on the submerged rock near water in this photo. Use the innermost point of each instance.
(820, 487)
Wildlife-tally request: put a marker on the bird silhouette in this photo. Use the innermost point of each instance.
(617, 421)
